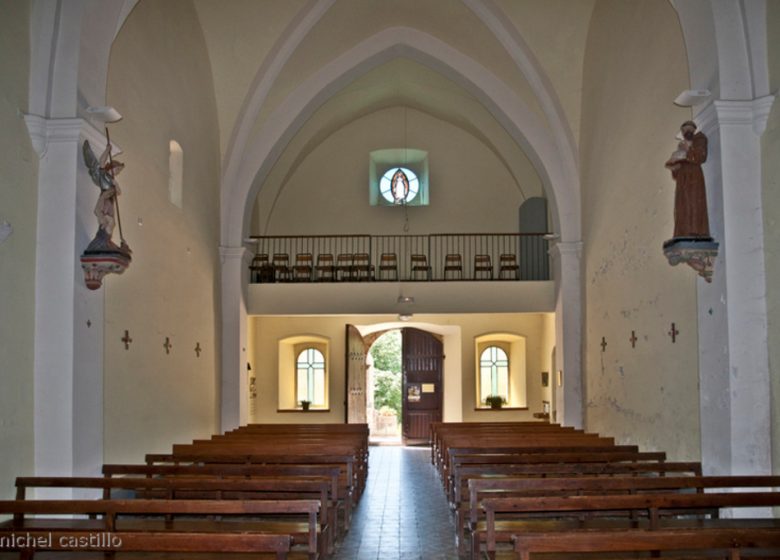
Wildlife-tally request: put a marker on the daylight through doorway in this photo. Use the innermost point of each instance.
(384, 402)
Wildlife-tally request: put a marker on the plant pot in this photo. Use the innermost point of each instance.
(305, 406)
(496, 404)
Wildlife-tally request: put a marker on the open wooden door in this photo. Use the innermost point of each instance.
(355, 360)
(422, 384)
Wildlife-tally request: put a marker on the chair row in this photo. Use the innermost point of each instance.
(357, 267)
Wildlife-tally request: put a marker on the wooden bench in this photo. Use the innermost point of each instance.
(469, 516)
(353, 476)
(730, 542)
(541, 470)
(203, 488)
(342, 492)
(654, 508)
(488, 463)
(441, 430)
(331, 474)
(126, 525)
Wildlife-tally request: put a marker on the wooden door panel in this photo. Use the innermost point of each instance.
(355, 359)
(419, 424)
(422, 386)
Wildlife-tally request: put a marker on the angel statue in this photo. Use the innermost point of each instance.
(103, 172)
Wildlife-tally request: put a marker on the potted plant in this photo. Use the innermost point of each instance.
(495, 401)
(305, 405)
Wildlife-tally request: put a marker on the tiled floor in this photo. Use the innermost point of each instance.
(403, 513)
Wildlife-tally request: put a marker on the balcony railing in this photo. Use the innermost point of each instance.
(435, 257)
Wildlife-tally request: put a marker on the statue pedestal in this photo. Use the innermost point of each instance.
(97, 265)
(103, 257)
(697, 252)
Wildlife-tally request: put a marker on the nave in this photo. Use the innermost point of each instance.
(403, 512)
(506, 489)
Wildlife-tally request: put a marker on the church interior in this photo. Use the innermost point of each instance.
(531, 133)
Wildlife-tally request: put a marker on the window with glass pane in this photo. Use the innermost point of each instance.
(493, 373)
(311, 377)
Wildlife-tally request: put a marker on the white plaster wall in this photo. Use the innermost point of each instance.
(634, 67)
(18, 203)
(348, 22)
(560, 54)
(471, 189)
(160, 80)
(459, 363)
(771, 201)
(239, 36)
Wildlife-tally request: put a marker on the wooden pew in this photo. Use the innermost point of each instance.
(731, 542)
(466, 473)
(354, 475)
(203, 488)
(124, 525)
(521, 439)
(593, 485)
(331, 474)
(341, 487)
(488, 463)
(439, 430)
(528, 441)
(656, 508)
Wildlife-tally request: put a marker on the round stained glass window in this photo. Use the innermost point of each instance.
(399, 185)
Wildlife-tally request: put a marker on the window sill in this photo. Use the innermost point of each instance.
(301, 410)
(488, 409)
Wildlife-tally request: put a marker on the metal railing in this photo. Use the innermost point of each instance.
(481, 256)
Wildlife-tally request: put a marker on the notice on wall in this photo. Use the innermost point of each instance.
(428, 387)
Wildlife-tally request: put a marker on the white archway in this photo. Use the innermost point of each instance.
(558, 173)
(249, 166)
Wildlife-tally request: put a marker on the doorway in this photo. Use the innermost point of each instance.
(421, 382)
(384, 381)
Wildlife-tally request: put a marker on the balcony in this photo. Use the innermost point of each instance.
(404, 258)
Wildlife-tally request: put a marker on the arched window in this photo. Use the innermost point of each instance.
(310, 377)
(176, 174)
(493, 373)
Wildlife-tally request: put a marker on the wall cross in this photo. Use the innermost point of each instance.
(127, 340)
(633, 339)
(167, 345)
(603, 344)
(198, 349)
(673, 333)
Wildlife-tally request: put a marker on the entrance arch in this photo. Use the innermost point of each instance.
(249, 167)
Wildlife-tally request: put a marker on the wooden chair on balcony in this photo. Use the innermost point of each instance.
(388, 265)
(419, 264)
(344, 270)
(261, 269)
(303, 269)
(282, 270)
(362, 269)
(453, 264)
(483, 265)
(508, 268)
(325, 269)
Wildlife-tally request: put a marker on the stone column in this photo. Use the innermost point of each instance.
(567, 266)
(68, 370)
(234, 386)
(733, 352)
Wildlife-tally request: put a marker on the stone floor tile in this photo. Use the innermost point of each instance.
(403, 513)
